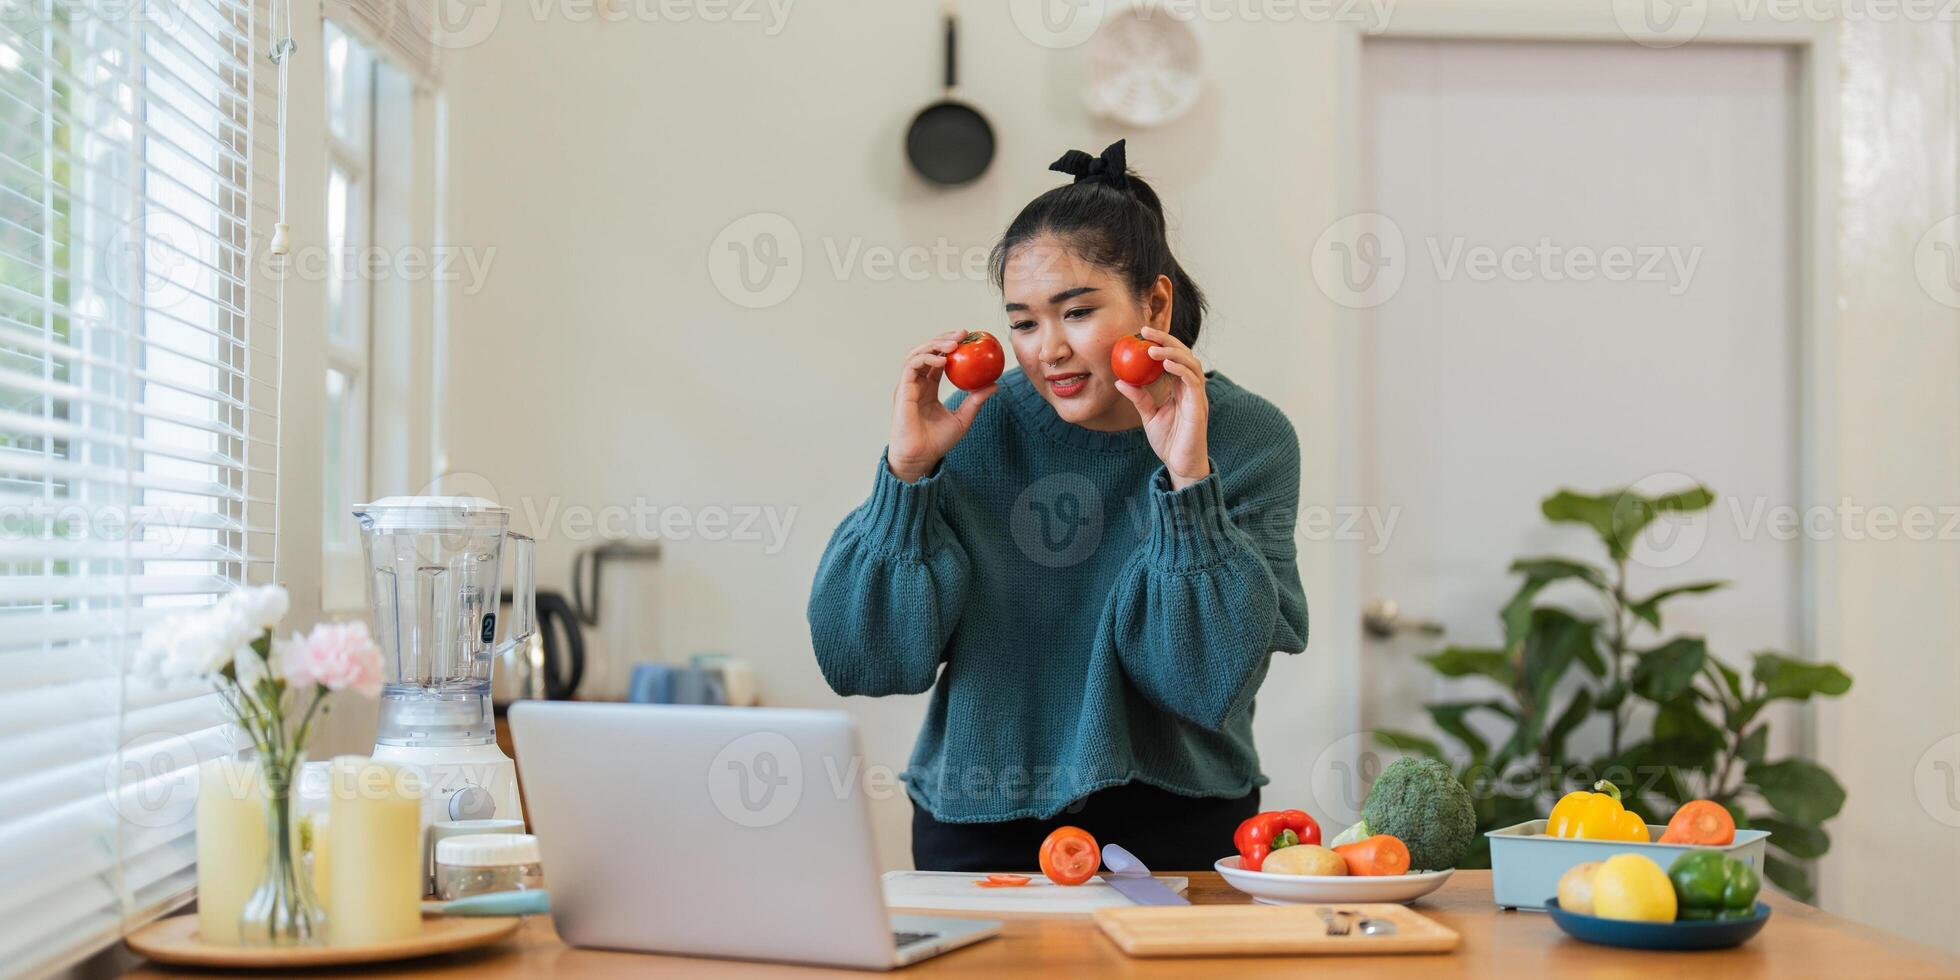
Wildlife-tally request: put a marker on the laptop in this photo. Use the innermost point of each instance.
(709, 831)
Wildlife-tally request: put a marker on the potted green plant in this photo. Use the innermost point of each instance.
(1706, 737)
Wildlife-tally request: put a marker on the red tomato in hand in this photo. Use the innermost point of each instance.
(1070, 856)
(1131, 360)
(976, 362)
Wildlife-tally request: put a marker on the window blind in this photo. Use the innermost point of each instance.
(138, 392)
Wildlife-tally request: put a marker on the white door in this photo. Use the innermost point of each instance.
(1598, 246)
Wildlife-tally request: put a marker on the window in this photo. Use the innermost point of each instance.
(365, 152)
(137, 437)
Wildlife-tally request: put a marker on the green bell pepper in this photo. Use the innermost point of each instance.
(1712, 885)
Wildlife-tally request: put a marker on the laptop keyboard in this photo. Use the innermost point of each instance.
(904, 939)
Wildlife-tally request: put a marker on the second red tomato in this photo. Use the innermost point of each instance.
(976, 362)
(1131, 361)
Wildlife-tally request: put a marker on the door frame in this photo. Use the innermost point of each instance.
(1816, 180)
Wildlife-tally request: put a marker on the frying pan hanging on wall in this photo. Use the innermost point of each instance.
(950, 142)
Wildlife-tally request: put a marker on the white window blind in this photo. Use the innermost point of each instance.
(138, 386)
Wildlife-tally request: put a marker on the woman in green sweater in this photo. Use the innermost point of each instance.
(1090, 577)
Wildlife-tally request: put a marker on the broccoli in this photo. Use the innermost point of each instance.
(1421, 802)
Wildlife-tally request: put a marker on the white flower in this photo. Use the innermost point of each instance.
(200, 642)
(259, 607)
(248, 667)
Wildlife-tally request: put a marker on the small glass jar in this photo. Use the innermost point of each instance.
(476, 864)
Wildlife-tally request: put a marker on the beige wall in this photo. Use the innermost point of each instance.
(599, 365)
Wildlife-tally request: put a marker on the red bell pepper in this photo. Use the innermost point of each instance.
(1303, 826)
(1264, 833)
(1255, 838)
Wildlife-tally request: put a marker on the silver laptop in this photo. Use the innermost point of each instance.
(733, 832)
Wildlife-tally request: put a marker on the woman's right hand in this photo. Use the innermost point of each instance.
(923, 429)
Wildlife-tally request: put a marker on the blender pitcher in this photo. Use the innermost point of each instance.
(435, 568)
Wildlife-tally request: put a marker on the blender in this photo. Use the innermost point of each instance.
(434, 570)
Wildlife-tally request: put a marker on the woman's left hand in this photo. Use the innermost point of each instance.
(1175, 423)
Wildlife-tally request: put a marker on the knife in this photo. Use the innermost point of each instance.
(1126, 874)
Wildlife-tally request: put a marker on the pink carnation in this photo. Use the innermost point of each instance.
(336, 656)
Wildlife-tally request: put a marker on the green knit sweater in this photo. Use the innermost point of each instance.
(1079, 623)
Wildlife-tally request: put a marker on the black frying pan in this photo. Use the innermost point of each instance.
(950, 142)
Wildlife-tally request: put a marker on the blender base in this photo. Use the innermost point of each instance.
(460, 782)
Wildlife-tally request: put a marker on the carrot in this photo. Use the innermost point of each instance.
(1381, 854)
(1700, 822)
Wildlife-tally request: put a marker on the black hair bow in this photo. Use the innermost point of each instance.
(1110, 168)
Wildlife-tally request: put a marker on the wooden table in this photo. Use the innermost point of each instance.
(1800, 941)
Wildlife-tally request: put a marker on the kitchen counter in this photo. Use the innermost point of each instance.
(1800, 941)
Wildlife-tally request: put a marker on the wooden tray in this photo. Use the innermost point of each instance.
(175, 941)
(1265, 930)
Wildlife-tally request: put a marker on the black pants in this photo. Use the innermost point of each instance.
(1167, 832)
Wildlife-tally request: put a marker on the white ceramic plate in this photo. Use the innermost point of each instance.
(1273, 889)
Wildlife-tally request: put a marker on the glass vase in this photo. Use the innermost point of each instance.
(282, 910)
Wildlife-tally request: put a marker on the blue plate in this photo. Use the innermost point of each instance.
(1711, 934)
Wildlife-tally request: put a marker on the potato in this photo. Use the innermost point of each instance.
(1304, 859)
(1575, 888)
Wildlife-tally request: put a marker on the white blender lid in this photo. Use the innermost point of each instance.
(403, 513)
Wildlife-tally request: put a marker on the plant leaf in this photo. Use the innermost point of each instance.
(1449, 716)
(1612, 697)
(1571, 718)
(1557, 638)
(1668, 670)
(1800, 840)
(1465, 661)
(1755, 745)
(1788, 875)
(1618, 516)
(1799, 789)
(1572, 507)
(1539, 573)
(1400, 741)
(1553, 568)
(1730, 679)
(1649, 609)
(1689, 738)
(1783, 677)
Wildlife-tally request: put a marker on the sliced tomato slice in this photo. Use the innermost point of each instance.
(1003, 881)
(1070, 856)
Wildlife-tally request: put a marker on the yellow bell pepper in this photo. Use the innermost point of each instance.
(1596, 816)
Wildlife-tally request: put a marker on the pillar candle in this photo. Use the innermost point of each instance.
(322, 854)
(231, 845)
(374, 833)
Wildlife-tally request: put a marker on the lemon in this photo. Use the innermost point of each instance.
(1575, 888)
(1632, 887)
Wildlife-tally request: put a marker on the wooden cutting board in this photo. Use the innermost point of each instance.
(934, 892)
(1265, 930)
